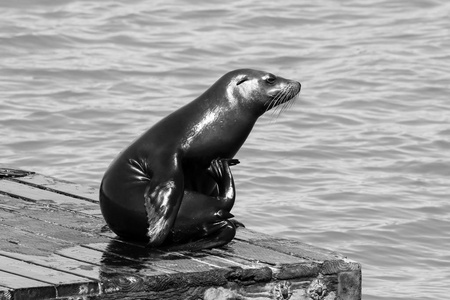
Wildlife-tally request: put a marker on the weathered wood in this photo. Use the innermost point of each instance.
(291, 247)
(172, 262)
(18, 287)
(259, 254)
(51, 231)
(319, 261)
(349, 285)
(17, 241)
(65, 284)
(59, 263)
(222, 260)
(52, 215)
(48, 198)
(92, 253)
(60, 186)
(54, 243)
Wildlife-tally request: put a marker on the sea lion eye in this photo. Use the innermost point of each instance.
(241, 80)
(271, 79)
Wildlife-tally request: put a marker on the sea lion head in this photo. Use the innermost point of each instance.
(260, 91)
(221, 119)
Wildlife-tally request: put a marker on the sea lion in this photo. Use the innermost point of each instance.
(173, 185)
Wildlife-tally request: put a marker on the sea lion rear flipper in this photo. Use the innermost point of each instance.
(214, 235)
(162, 202)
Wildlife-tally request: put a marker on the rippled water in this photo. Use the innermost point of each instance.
(360, 164)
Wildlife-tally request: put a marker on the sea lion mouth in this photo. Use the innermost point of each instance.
(284, 96)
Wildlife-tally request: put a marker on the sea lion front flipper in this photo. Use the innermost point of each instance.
(162, 202)
(221, 172)
(203, 220)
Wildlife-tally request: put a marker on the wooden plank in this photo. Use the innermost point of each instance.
(59, 263)
(14, 281)
(259, 254)
(127, 275)
(12, 173)
(138, 262)
(221, 261)
(83, 254)
(48, 198)
(283, 266)
(46, 229)
(350, 283)
(111, 263)
(292, 247)
(243, 262)
(68, 219)
(148, 258)
(29, 252)
(68, 188)
(195, 270)
(36, 272)
(118, 275)
(18, 287)
(292, 290)
(18, 241)
(322, 261)
(65, 284)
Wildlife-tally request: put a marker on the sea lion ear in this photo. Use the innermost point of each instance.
(241, 79)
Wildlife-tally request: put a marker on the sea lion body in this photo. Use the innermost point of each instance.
(176, 160)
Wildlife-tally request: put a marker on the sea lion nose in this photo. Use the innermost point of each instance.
(297, 85)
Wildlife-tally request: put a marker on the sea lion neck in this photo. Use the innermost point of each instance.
(215, 128)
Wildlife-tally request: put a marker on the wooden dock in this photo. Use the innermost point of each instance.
(54, 244)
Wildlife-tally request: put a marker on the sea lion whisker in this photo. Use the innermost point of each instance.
(276, 98)
(289, 103)
(286, 98)
(277, 103)
(276, 113)
(280, 110)
(272, 103)
(280, 104)
(284, 106)
(293, 100)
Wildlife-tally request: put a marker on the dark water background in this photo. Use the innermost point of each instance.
(360, 164)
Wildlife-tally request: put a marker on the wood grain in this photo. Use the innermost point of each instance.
(64, 187)
(48, 198)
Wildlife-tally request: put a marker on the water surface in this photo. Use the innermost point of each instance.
(360, 164)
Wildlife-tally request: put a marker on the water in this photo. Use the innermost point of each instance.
(360, 164)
